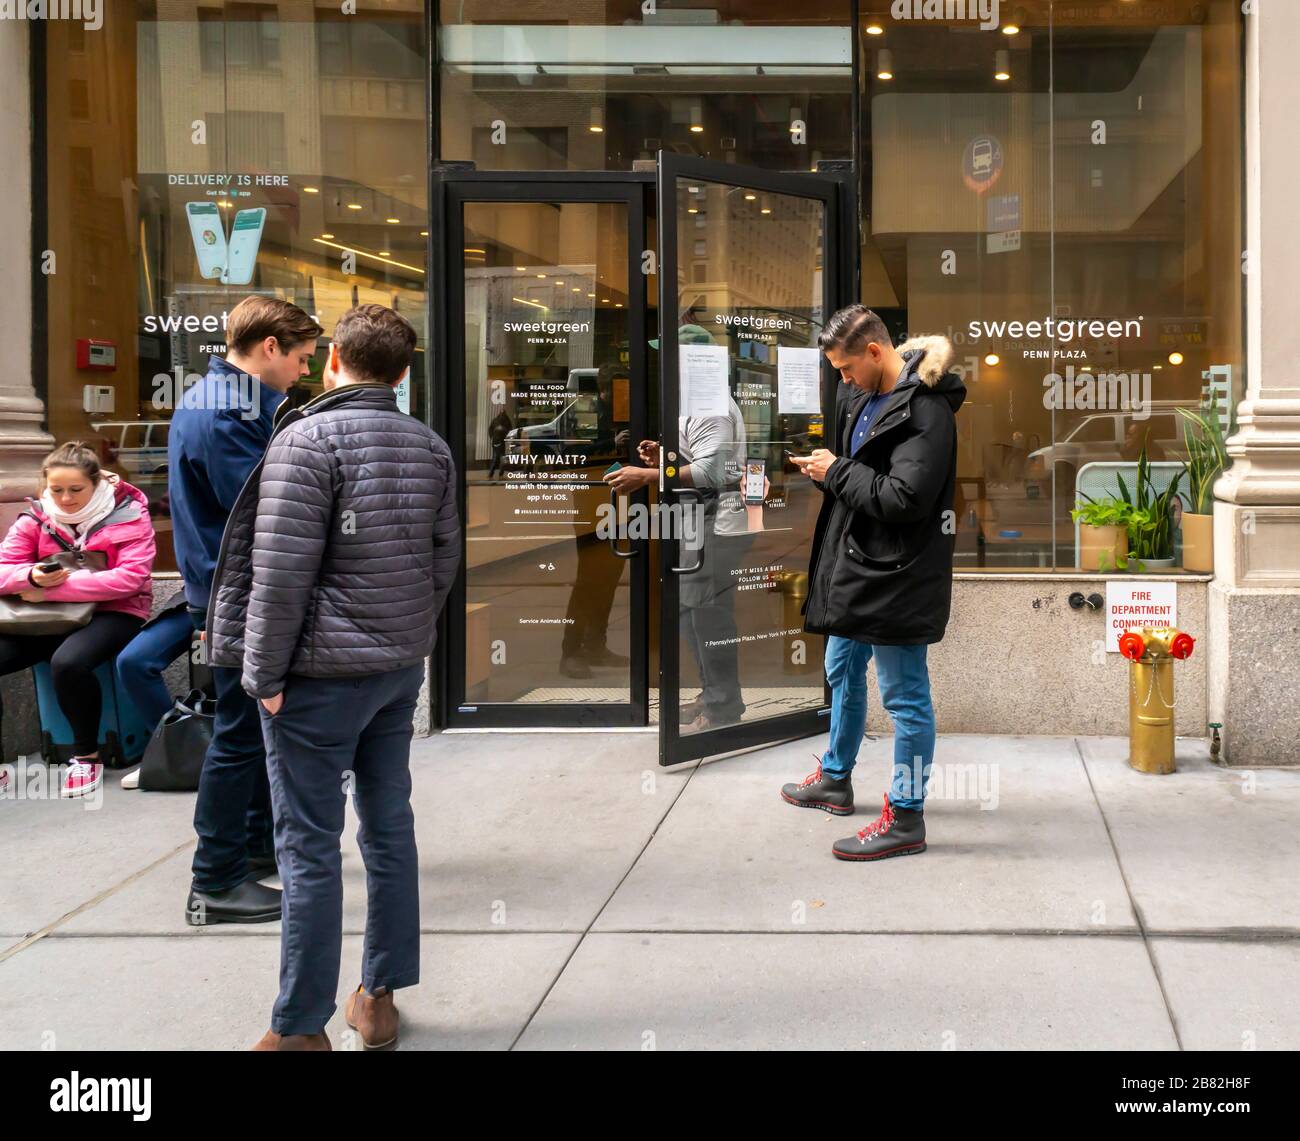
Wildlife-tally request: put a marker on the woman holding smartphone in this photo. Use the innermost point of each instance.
(83, 508)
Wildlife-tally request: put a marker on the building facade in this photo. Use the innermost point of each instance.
(605, 218)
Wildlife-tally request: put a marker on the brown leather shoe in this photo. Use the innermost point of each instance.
(373, 1017)
(292, 1042)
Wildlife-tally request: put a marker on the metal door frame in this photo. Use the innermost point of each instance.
(453, 187)
(834, 191)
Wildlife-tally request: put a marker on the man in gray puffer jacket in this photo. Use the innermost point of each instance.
(333, 570)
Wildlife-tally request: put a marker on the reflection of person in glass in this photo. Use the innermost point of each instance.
(711, 457)
(880, 580)
(598, 571)
(1137, 437)
(498, 429)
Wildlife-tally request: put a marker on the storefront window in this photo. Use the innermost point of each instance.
(1060, 196)
(197, 153)
(601, 86)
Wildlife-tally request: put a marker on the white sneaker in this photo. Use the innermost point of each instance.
(132, 779)
(84, 776)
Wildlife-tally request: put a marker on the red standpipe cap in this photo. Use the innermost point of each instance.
(1182, 645)
(1132, 646)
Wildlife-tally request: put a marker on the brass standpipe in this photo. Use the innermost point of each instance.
(793, 586)
(1152, 652)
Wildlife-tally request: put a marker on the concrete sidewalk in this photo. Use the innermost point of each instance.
(576, 895)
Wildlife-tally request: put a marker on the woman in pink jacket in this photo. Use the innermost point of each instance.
(97, 511)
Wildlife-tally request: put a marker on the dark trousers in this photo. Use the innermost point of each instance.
(332, 734)
(140, 666)
(708, 623)
(592, 597)
(74, 657)
(232, 813)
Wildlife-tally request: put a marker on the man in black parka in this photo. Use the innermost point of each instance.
(880, 579)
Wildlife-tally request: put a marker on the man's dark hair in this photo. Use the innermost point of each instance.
(375, 343)
(257, 317)
(852, 329)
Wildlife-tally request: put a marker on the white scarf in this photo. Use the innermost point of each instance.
(98, 507)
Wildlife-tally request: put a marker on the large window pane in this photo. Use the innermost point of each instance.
(601, 86)
(1059, 195)
(199, 153)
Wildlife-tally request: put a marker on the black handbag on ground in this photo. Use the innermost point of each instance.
(174, 756)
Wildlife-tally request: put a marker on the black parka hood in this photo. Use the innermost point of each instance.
(929, 362)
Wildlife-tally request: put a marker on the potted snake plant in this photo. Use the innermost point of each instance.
(1152, 519)
(1207, 457)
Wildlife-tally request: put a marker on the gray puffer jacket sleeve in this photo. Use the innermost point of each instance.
(294, 514)
(446, 537)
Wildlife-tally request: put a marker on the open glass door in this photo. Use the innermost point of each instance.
(746, 281)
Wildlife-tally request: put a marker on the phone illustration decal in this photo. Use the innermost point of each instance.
(209, 234)
(245, 238)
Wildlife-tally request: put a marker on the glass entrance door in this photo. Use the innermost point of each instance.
(747, 279)
(547, 378)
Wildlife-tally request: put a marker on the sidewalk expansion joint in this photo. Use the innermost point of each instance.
(95, 901)
(1133, 903)
(601, 910)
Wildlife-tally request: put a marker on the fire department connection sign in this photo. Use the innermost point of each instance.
(1132, 605)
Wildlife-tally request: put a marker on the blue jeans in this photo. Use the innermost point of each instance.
(140, 666)
(905, 691)
(331, 734)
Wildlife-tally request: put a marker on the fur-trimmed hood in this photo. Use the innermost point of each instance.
(935, 361)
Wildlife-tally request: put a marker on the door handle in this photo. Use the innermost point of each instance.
(682, 492)
(632, 551)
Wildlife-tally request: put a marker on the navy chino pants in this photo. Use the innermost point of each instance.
(333, 736)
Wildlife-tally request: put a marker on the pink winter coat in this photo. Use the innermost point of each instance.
(126, 536)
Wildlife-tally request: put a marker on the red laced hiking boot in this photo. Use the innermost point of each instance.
(895, 832)
(819, 791)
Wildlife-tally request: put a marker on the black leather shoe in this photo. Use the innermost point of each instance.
(818, 791)
(895, 832)
(250, 902)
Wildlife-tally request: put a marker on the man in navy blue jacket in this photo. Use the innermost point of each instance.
(218, 435)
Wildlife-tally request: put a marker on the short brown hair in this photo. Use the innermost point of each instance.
(73, 454)
(375, 343)
(852, 329)
(256, 318)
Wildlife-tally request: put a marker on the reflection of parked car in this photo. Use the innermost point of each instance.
(573, 431)
(140, 447)
(1118, 436)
